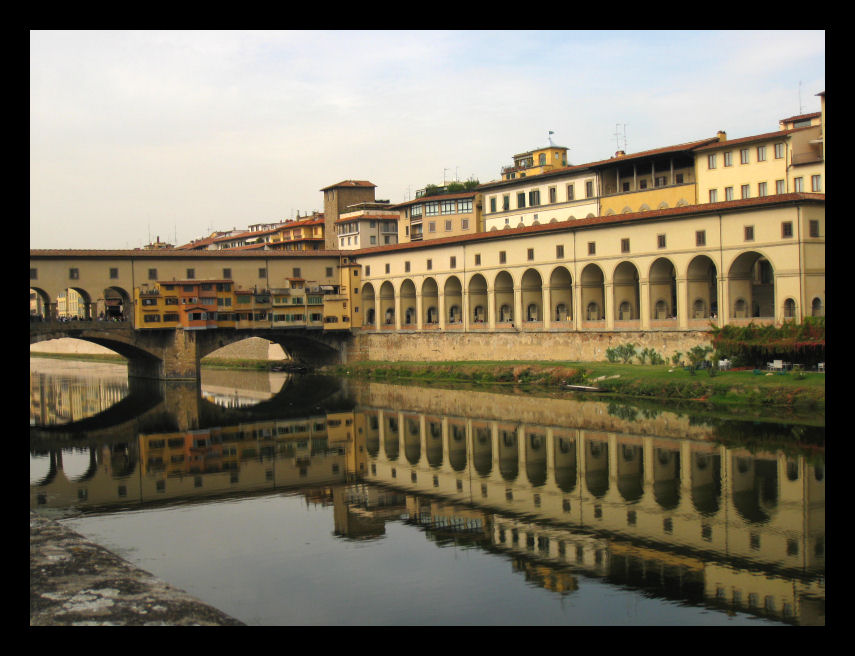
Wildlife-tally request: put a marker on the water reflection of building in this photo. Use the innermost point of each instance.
(699, 507)
(70, 399)
(684, 519)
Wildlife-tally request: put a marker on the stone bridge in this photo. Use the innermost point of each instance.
(172, 354)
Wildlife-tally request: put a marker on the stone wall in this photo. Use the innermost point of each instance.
(575, 347)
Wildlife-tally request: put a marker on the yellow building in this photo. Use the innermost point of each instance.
(439, 216)
(536, 162)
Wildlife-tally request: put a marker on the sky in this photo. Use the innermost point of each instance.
(136, 135)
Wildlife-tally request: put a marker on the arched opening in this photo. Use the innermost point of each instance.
(430, 302)
(391, 437)
(565, 462)
(387, 304)
(453, 292)
(630, 472)
(433, 443)
(597, 467)
(702, 284)
(407, 304)
(663, 289)
(508, 454)
(789, 309)
(535, 458)
(412, 440)
(482, 450)
(816, 309)
(751, 278)
(478, 299)
(457, 446)
(116, 305)
(368, 301)
(561, 294)
(592, 289)
(666, 478)
(504, 286)
(39, 304)
(532, 295)
(706, 482)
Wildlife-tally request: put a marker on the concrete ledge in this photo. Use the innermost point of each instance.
(74, 582)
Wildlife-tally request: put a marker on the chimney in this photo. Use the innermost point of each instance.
(722, 135)
(620, 153)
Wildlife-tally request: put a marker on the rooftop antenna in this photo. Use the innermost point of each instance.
(801, 107)
(618, 135)
(550, 138)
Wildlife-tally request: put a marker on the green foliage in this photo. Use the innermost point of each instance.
(677, 359)
(626, 352)
(697, 354)
(753, 345)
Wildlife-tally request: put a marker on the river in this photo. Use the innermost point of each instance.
(312, 500)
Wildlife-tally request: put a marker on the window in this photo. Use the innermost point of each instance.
(151, 318)
(431, 209)
(416, 211)
(749, 233)
(262, 272)
(367, 269)
(589, 189)
(407, 267)
(660, 241)
(448, 225)
(530, 254)
(660, 181)
(559, 251)
(701, 238)
(296, 272)
(74, 274)
(625, 186)
(330, 272)
(743, 156)
(642, 184)
(503, 257)
(452, 262)
(387, 267)
(779, 151)
(373, 238)
(534, 198)
(711, 163)
(624, 245)
(152, 274)
(553, 195)
(571, 192)
(798, 185)
(815, 183)
(464, 207)
(114, 273)
(678, 178)
(780, 187)
(477, 259)
(746, 191)
(728, 193)
(761, 153)
(521, 200)
(713, 195)
(493, 204)
(506, 202)
(761, 189)
(431, 226)
(34, 274)
(787, 229)
(449, 207)
(464, 224)
(429, 265)
(813, 227)
(728, 158)
(592, 248)
(191, 273)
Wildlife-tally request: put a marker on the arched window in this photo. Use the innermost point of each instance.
(454, 314)
(625, 310)
(409, 316)
(390, 316)
(505, 313)
(816, 307)
(560, 312)
(531, 312)
(699, 308)
(431, 315)
(661, 309)
(789, 308)
(479, 314)
(740, 308)
(593, 311)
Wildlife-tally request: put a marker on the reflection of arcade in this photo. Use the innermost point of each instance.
(700, 508)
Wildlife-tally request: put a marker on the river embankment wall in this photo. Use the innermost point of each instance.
(537, 346)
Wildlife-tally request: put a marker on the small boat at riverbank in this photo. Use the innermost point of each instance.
(583, 388)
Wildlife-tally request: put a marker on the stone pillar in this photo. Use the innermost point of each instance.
(440, 302)
(396, 308)
(420, 320)
(609, 304)
(491, 309)
(577, 306)
(464, 307)
(644, 303)
(518, 307)
(724, 309)
(50, 311)
(683, 303)
(546, 302)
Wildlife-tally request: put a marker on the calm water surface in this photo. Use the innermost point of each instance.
(317, 501)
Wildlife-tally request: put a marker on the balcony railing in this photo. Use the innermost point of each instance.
(807, 158)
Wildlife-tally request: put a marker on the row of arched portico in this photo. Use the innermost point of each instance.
(109, 303)
(548, 297)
